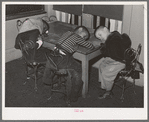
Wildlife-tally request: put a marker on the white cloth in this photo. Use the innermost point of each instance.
(108, 70)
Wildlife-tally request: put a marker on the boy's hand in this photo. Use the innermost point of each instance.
(40, 42)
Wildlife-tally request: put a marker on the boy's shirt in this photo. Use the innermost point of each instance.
(116, 45)
(69, 40)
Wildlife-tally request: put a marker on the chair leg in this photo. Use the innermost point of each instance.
(68, 89)
(27, 75)
(35, 75)
(134, 86)
(51, 92)
(59, 82)
(123, 90)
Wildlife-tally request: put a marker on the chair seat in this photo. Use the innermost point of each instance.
(124, 72)
(34, 63)
(61, 72)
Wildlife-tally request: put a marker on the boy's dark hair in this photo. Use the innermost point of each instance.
(45, 26)
(84, 29)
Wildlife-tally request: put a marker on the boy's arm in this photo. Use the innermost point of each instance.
(48, 45)
(85, 44)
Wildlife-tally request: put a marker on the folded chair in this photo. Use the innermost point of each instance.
(132, 69)
(34, 67)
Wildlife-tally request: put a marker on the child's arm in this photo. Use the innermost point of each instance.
(85, 44)
(48, 45)
(39, 42)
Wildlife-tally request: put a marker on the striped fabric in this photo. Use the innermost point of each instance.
(90, 21)
(69, 18)
(69, 40)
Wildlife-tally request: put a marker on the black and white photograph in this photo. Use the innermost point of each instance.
(74, 60)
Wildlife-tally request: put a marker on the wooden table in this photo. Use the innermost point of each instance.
(83, 54)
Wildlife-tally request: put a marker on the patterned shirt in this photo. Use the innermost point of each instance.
(69, 40)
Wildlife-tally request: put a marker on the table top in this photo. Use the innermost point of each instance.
(58, 28)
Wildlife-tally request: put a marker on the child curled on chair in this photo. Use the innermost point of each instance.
(113, 50)
(30, 32)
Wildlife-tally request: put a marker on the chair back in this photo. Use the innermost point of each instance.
(131, 57)
(139, 51)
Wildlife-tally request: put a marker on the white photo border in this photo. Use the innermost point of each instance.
(29, 113)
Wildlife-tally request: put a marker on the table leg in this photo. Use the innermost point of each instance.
(85, 68)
